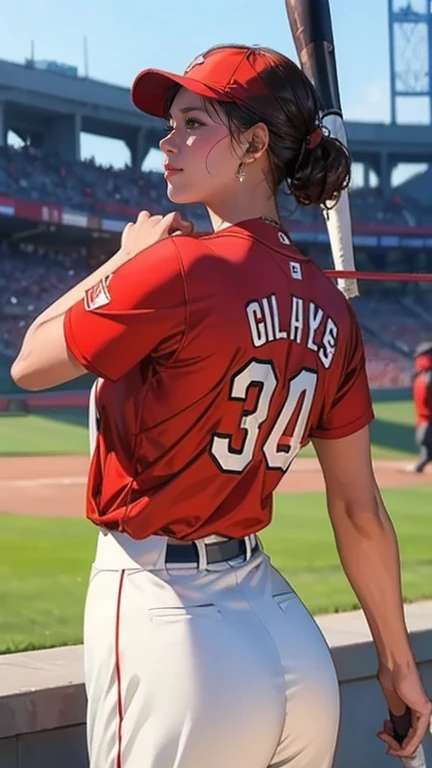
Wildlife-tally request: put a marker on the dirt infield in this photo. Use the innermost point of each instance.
(49, 486)
(54, 486)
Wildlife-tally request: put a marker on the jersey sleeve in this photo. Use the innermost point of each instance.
(351, 409)
(139, 310)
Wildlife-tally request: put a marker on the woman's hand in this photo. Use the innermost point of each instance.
(402, 688)
(149, 229)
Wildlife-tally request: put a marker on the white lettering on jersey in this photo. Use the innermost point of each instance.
(315, 317)
(308, 325)
(278, 333)
(256, 324)
(268, 319)
(297, 322)
(328, 348)
(264, 322)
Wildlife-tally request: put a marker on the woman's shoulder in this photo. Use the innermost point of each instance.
(197, 246)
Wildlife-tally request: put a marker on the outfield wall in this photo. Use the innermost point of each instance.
(42, 401)
(42, 698)
(13, 399)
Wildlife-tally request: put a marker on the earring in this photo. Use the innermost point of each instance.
(241, 172)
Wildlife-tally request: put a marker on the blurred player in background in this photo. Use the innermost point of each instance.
(219, 357)
(422, 395)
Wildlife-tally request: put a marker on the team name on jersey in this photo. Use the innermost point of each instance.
(307, 324)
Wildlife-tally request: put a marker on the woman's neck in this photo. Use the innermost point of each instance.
(220, 219)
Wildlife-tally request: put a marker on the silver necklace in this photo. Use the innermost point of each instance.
(269, 220)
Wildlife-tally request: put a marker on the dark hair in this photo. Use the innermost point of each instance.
(291, 110)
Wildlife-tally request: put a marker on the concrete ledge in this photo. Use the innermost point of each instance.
(43, 703)
(41, 690)
(351, 644)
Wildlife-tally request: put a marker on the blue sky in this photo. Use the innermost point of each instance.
(125, 36)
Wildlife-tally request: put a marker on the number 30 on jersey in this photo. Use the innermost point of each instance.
(262, 373)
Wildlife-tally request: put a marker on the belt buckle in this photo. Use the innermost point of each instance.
(248, 543)
(201, 556)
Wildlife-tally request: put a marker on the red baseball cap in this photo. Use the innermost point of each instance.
(225, 74)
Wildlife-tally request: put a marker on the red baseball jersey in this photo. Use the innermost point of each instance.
(422, 390)
(221, 356)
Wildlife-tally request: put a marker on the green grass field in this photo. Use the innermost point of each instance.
(65, 432)
(44, 564)
(47, 433)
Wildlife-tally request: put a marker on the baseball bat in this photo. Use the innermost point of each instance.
(401, 725)
(311, 27)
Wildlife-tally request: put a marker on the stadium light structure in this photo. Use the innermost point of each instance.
(410, 37)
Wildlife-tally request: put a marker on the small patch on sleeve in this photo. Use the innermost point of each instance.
(98, 295)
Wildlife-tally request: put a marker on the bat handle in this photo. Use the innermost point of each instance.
(401, 725)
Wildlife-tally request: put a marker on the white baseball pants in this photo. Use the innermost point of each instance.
(216, 666)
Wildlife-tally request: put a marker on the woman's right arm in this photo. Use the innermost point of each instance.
(368, 550)
(45, 359)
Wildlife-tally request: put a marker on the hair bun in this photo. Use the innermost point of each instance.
(322, 171)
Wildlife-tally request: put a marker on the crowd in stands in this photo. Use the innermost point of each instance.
(391, 330)
(32, 277)
(45, 177)
(386, 369)
(370, 208)
(394, 322)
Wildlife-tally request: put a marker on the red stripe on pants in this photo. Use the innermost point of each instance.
(118, 673)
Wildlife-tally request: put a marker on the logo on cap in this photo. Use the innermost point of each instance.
(197, 60)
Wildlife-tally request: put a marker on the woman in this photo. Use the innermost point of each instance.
(218, 357)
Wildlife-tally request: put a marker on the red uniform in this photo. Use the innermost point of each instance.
(422, 390)
(221, 356)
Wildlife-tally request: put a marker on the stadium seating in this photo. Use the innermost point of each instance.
(386, 369)
(31, 174)
(32, 276)
(393, 323)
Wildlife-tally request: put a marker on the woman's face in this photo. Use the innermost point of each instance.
(201, 151)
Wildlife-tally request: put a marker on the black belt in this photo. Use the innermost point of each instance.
(215, 553)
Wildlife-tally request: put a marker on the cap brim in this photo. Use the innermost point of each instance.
(151, 88)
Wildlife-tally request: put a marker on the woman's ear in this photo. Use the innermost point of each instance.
(258, 142)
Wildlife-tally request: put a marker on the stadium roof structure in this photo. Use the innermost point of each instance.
(418, 186)
(52, 108)
(31, 98)
(50, 90)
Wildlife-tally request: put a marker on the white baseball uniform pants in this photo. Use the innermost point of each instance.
(216, 666)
